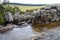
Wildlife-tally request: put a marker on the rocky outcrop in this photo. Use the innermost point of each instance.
(6, 28)
(48, 13)
(8, 17)
(16, 17)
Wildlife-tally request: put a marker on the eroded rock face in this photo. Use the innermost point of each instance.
(49, 13)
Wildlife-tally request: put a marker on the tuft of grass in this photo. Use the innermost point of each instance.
(48, 26)
(52, 25)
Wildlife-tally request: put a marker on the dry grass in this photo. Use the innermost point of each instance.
(24, 8)
(50, 25)
(37, 29)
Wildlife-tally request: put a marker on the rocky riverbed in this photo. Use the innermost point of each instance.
(51, 34)
(26, 32)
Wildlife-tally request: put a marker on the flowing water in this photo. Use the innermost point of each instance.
(26, 32)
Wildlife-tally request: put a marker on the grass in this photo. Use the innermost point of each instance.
(37, 29)
(48, 26)
(52, 25)
(24, 8)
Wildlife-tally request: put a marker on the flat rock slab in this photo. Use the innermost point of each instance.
(6, 28)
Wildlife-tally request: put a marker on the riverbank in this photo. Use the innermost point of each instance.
(48, 26)
(48, 34)
(36, 27)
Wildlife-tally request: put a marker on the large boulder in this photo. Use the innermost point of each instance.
(6, 28)
(36, 13)
(8, 17)
(16, 17)
(53, 10)
(58, 8)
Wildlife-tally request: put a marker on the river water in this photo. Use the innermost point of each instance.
(26, 32)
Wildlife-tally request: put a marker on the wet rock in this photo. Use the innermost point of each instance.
(15, 26)
(6, 28)
(20, 23)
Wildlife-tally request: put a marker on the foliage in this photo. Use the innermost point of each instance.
(1, 9)
(2, 21)
(11, 9)
(7, 8)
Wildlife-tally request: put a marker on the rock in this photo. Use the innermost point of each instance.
(15, 26)
(16, 16)
(8, 17)
(20, 23)
(1, 26)
(6, 28)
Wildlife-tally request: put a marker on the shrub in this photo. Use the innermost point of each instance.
(2, 21)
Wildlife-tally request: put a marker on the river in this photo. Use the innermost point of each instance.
(26, 32)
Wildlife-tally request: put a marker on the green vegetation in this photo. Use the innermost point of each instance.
(11, 9)
(2, 21)
(6, 8)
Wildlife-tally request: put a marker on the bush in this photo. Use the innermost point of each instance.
(11, 9)
(8, 8)
(2, 21)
